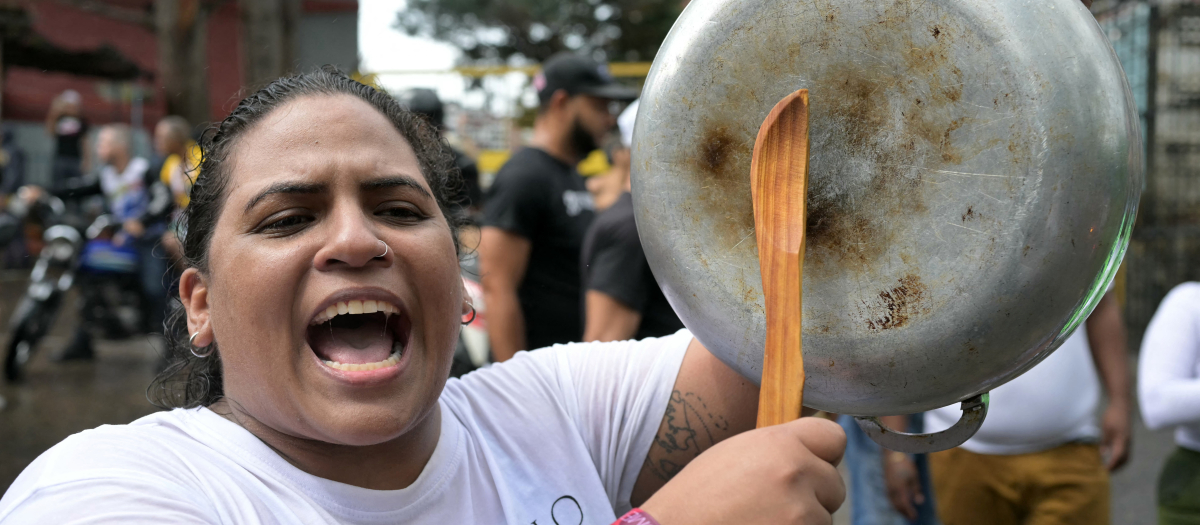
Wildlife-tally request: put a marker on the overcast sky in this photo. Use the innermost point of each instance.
(385, 49)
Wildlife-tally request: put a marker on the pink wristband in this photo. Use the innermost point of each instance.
(636, 517)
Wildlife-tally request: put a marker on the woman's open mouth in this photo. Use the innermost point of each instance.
(359, 335)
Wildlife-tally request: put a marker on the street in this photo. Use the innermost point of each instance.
(60, 399)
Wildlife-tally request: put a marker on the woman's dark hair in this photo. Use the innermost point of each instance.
(188, 381)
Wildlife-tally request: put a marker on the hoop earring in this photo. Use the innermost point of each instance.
(472, 319)
(386, 248)
(192, 347)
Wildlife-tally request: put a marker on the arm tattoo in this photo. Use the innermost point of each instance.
(688, 428)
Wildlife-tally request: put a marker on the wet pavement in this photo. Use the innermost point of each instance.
(60, 399)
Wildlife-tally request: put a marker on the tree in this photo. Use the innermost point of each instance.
(268, 27)
(181, 27)
(503, 31)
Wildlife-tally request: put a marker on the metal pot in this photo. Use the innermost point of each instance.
(974, 175)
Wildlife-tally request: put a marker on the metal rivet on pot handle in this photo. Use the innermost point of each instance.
(974, 410)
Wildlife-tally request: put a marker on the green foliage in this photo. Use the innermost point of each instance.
(497, 31)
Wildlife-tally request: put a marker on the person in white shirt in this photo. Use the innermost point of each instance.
(323, 301)
(1042, 455)
(1169, 392)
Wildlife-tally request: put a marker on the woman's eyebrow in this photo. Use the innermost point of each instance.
(394, 181)
(285, 187)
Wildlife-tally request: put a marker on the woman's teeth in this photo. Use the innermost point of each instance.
(355, 307)
(358, 367)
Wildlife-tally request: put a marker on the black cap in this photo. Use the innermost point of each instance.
(578, 75)
(424, 101)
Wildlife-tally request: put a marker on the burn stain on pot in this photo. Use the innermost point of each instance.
(717, 160)
(948, 153)
(898, 305)
(853, 210)
(836, 233)
(970, 215)
(842, 227)
(817, 223)
(715, 151)
(954, 91)
(862, 105)
(719, 166)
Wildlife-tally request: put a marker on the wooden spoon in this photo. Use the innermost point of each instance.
(779, 185)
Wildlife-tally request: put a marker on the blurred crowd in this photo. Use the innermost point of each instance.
(556, 258)
(125, 203)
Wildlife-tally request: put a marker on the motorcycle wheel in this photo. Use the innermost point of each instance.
(32, 321)
(16, 355)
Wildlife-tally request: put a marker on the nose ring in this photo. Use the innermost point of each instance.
(385, 250)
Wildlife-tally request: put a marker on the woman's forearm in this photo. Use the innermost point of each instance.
(710, 403)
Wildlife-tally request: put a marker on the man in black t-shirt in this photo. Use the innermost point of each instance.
(538, 210)
(622, 301)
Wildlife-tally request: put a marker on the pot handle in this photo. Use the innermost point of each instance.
(974, 410)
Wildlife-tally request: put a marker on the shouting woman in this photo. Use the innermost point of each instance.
(322, 302)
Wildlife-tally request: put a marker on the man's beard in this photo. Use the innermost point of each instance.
(581, 140)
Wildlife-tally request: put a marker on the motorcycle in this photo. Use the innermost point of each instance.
(105, 272)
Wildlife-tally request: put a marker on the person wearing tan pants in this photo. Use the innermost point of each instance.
(1042, 456)
(1068, 482)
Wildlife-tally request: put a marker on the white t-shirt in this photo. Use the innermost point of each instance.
(1053, 403)
(556, 436)
(1169, 368)
(125, 190)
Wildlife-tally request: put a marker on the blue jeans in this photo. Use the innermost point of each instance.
(868, 494)
(153, 268)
